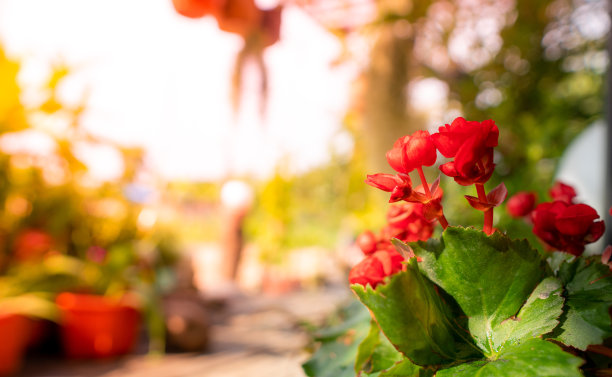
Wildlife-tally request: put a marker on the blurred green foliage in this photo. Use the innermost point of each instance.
(60, 229)
(535, 67)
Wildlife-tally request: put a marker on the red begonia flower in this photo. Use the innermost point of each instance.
(412, 151)
(562, 192)
(407, 222)
(566, 227)
(367, 242)
(400, 186)
(450, 138)
(368, 271)
(521, 204)
(495, 197)
(471, 144)
(375, 267)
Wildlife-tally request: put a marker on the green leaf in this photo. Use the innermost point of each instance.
(415, 319)
(406, 368)
(532, 358)
(490, 277)
(339, 344)
(537, 317)
(589, 296)
(375, 352)
(353, 315)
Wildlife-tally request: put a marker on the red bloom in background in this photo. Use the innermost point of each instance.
(562, 192)
(566, 227)
(367, 242)
(521, 204)
(32, 245)
(412, 151)
(376, 267)
(471, 145)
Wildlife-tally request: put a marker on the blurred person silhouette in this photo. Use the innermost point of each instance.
(236, 201)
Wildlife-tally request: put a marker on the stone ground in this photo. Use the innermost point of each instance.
(252, 336)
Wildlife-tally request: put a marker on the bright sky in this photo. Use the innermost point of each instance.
(163, 81)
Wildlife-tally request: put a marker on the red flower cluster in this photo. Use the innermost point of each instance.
(566, 227)
(406, 222)
(521, 204)
(471, 145)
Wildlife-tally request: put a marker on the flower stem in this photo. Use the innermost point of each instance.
(488, 214)
(443, 222)
(424, 182)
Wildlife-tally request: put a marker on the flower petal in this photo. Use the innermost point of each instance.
(497, 195)
(575, 220)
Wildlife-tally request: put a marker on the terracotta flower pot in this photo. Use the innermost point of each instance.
(97, 326)
(15, 330)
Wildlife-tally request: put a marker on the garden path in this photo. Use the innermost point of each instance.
(254, 335)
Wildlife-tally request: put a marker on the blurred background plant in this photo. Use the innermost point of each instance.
(61, 230)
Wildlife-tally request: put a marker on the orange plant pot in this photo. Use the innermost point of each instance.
(97, 326)
(15, 330)
(195, 8)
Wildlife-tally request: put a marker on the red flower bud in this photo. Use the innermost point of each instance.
(521, 204)
(562, 192)
(367, 242)
(412, 151)
(567, 227)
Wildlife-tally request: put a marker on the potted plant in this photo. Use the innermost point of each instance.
(100, 314)
(95, 326)
(472, 302)
(20, 311)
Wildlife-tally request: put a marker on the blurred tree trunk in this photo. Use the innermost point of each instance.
(385, 117)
